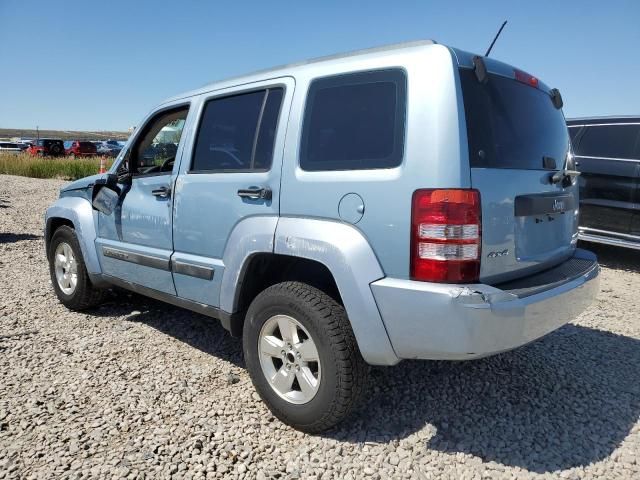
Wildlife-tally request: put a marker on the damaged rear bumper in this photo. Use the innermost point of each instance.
(460, 322)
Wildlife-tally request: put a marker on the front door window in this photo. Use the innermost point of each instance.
(154, 152)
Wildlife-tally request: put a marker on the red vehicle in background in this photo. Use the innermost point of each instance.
(78, 148)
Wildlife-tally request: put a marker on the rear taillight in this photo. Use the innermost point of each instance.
(445, 235)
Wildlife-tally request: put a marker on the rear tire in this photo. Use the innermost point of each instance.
(69, 274)
(308, 395)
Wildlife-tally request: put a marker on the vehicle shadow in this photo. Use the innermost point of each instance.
(615, 257)
(17, 237)
(565, 401)
(199, 331)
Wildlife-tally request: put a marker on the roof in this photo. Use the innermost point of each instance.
(604, 119)
(289, 69)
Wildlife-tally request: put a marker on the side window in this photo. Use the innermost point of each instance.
(355, 122)
(609, 141)
(154, 151)
(237, 133)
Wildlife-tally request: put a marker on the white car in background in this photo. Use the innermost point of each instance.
(10, 147)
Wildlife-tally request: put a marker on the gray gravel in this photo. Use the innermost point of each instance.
(139, 389)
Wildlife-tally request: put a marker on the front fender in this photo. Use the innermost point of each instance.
(78, 211)
(351, 260)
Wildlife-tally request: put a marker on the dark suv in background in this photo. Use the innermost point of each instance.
(607, 153)
(47, 146)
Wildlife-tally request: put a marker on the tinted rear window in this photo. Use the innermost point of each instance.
(510, 124)
(609, 141)
(354, 121)
(88, 145)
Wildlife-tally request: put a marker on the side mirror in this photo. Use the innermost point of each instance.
(106, 194)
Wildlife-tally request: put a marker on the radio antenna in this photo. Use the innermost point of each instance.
(494, 39)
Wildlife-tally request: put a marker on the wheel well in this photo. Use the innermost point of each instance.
(266, 269)
(52, 225)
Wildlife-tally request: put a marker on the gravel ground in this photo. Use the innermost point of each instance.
(140, 389)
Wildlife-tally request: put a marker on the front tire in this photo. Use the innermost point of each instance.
(302, 356)
(68, 272)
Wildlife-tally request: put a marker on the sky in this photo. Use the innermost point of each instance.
(96, 65)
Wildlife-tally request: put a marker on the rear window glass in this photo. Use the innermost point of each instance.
(510, 124)
(609, 141)
(86, 145)
(354, 121)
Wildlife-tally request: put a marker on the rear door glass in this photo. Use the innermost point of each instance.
(237, 132)
(511, 124)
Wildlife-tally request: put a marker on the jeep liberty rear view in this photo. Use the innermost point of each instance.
(406, 202)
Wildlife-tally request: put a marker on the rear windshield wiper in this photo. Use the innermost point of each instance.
(565, 176)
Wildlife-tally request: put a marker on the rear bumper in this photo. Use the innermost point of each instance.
(460, 322)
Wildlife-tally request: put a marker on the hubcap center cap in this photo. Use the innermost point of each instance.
(291, 357)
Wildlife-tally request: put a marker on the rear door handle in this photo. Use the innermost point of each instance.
(255, 193)
(162, 192)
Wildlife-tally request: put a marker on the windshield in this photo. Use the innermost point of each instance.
(511, 124)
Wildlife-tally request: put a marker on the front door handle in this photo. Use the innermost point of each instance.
(255, 193)
(162, 192)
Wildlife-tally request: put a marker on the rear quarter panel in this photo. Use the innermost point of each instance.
(432, 154)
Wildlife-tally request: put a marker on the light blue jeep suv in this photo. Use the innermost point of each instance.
(405, 202)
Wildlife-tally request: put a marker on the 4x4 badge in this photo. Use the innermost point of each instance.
(501, 253)
(558, 205)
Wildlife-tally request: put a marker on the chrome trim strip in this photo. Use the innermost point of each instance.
(137, 258)
(608, 158)
(198, 271)
(608, 233)
(601, 124)
(586, 237)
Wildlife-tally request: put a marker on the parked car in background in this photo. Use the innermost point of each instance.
(375, 233)
(607, 153)
(10, 147)
(78, 148)
(47, 147)
(103, 148)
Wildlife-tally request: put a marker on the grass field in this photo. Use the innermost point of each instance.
(65, 168)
